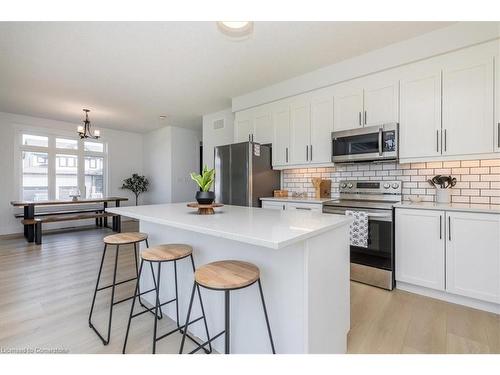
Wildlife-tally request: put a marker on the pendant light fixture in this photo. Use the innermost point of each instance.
(84, 131)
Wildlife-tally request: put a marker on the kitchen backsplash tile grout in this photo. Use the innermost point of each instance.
(478, 181)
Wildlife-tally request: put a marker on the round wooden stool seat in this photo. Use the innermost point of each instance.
(227, 274)
(167, 252)
(125, 238)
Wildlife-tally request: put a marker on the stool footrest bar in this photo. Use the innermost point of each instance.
(200, 346)
(150, 309)
(126, 299)
(121, 282)
(179, 329)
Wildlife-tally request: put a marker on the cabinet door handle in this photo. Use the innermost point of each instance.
(307, 153)
(360, 119)
(437, 140)
(498, 134)
(286, 154)
(366, 116)
(445, 140)
(303, 208)
(311, 152)
(440, 227)
(449, 228)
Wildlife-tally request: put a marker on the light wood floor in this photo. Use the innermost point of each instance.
(45, 295)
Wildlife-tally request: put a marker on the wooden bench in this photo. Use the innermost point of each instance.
(32, 221)
(38, 221)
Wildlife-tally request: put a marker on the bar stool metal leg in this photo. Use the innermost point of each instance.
(132, 308)
(95, 294)
(227, 318)
(137, 274)
(113, 294)
(267, 318)
(202, 311)
(157, 306)
(187, 318)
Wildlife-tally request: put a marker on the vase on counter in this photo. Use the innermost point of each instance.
(443, 195)
(205, 197)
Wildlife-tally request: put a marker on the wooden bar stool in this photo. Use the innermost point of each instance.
(226, 275)
(117, 240)
(164, 254)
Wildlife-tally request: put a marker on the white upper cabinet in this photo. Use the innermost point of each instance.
(497, 99)
(300, 125)
(254, 124)
(473, 255)
(263, 125)
(420, 111)
(468, 86)
(321, 128)
(281, 128)
(381, 94)
(366, 102)
(348, 106)
(420, 248)
(243, 125)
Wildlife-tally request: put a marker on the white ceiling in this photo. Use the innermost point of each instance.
(130, 73)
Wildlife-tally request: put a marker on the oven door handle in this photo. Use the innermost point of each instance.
(371, 215)
(380, 148)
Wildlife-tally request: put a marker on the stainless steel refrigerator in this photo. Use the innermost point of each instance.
(243, 174)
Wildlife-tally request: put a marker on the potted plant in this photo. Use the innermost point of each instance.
(204, 181)
(137, 184)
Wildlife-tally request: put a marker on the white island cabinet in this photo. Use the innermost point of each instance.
(303, 257)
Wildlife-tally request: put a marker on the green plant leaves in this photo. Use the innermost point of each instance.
(205, 180)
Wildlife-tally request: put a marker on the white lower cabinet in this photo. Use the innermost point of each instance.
(473, 255)
(316, 207)
(420, 248)
(281, 205)
(273, 205)
(456, 252)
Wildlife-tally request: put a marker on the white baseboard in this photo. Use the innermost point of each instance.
(448, 297)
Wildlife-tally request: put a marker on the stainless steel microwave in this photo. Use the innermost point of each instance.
(371, 143)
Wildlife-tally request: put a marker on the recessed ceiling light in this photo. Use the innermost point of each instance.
(236, 29)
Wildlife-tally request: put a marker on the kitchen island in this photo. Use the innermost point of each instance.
(304, 262)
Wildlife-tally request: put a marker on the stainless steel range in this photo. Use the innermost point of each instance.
(373, 264)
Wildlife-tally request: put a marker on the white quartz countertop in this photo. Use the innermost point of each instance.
(273, 229)
(297, 199)
(464, 207)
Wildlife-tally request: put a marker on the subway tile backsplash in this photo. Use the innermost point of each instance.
(478, 181)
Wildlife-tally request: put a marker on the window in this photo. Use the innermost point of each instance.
(93, 146)
(66, 176)
(94, 177)
(70, 144)
(35, 140)
(56, 168)
(35, 181)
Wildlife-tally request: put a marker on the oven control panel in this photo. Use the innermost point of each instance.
(370, 187)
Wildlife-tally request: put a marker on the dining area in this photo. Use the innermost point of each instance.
(35, 214)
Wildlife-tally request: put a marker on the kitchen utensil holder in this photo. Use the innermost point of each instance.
(443, 195)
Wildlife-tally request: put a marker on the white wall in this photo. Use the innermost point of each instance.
(157, 159)
(124, 158)
(216, 137)
(185, 159)
(170, 155)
